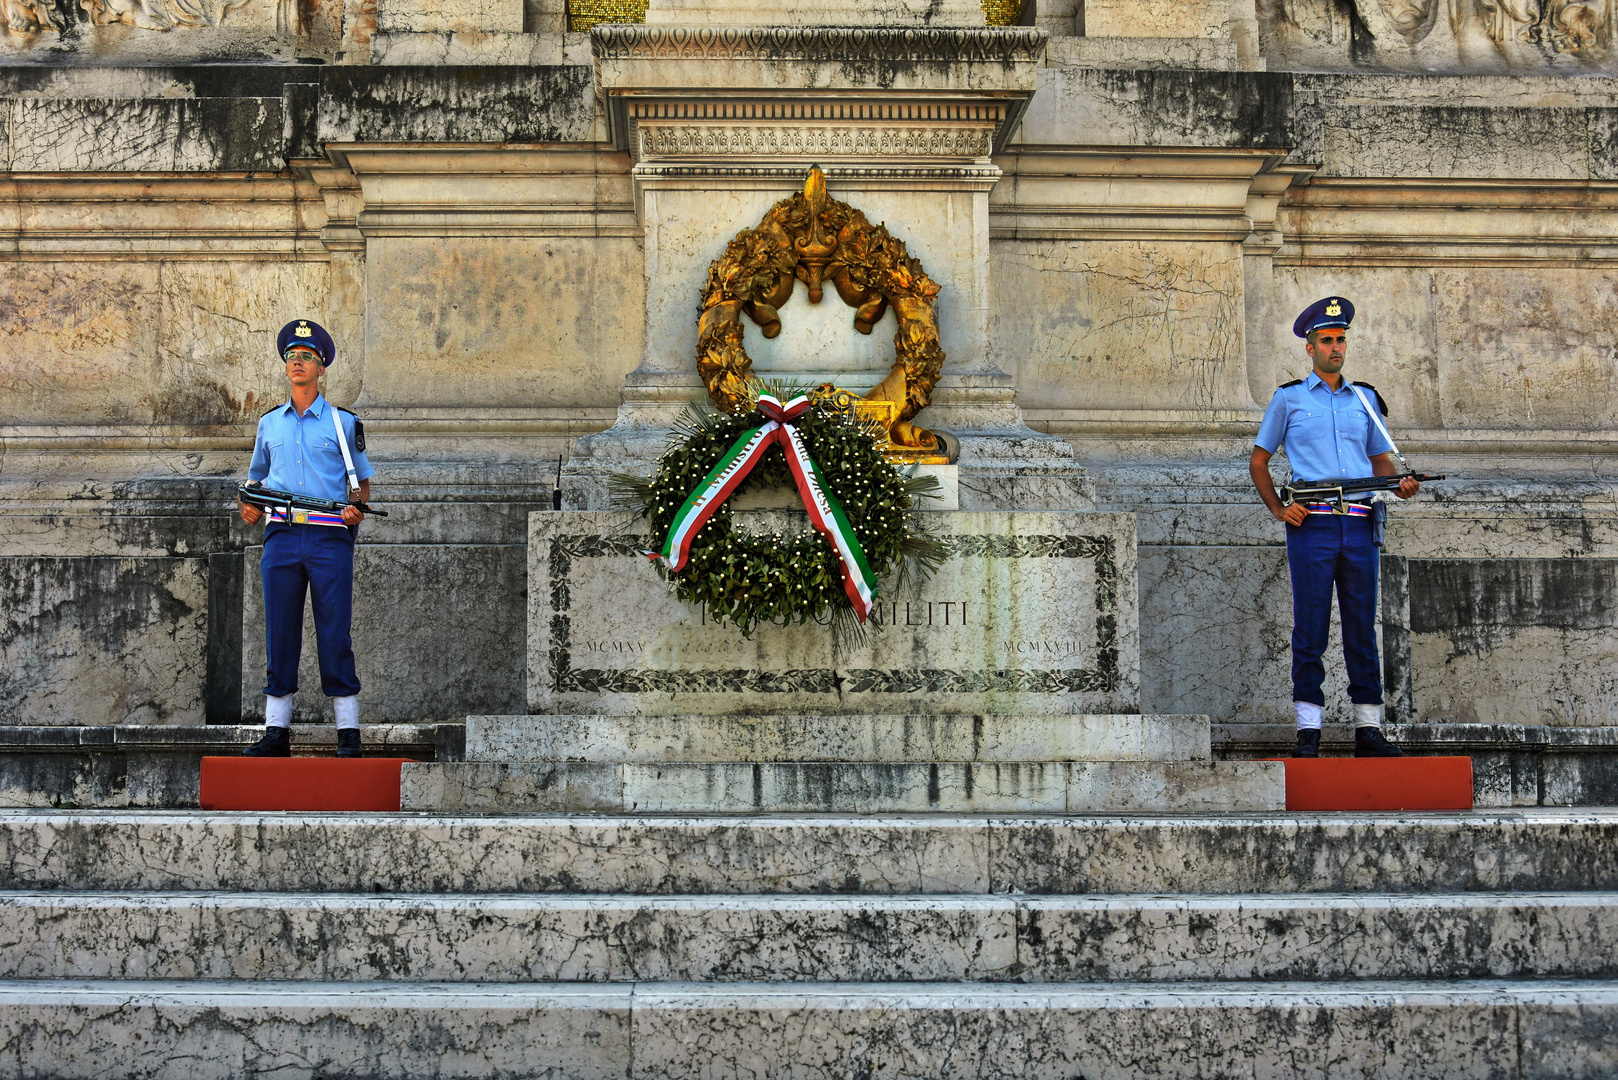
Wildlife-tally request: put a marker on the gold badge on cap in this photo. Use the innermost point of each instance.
(1334, 309)
(304, 331)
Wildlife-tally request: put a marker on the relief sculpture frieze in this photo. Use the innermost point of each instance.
(1444, 35)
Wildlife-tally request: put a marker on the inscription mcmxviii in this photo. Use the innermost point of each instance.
(1063, 637)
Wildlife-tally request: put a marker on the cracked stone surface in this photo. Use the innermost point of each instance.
(570, 938)
(123, 640)
(1540, 850)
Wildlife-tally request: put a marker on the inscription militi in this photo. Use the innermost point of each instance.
(1030, 665)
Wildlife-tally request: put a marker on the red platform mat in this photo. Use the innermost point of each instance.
(1407, 783)
(300, 783)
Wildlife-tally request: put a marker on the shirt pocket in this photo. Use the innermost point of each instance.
(1354, 426)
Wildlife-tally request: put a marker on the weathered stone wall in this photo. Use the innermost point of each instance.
(471, 237)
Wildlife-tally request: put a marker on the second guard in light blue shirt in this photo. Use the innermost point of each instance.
(1327, 433)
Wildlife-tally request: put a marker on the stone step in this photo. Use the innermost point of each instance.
(885, 739)
(1527, 850)
(846, 787)
(65, 1030)
(573, 938)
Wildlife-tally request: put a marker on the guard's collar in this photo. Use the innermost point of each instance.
(1313, 380)
(317, 408)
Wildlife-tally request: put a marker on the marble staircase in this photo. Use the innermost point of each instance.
(148, 944)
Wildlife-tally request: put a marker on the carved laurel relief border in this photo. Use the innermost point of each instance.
(1104, 676)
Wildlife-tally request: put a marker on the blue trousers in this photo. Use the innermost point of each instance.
(1327, 551)
(319, 560)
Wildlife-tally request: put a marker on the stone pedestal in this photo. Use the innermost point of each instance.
(1033, 613)
(1007, 682)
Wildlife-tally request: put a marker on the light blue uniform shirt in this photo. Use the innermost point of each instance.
(300, 453)
(1328, 435)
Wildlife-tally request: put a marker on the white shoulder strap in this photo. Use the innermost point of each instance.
(342, 444)
(1376, 418)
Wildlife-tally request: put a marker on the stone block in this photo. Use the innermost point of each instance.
(1514, 641)
(1179, 787)
(856, 738)
(67, 1030)
(1156, 18)
(1512, 764)
(773, 788)
(102, 641)
(1135, 53)
(456, 48)
(158, 766)
(1437, 1030)
(449, 16)
(1049, 609)
(437, 634)
(847, 787)
(802, 939)
(1092, 327)
(511, 939)
(1484, 142)
(235, 134)
(456, 104)
(550, 320)
(1483, 851)
(1109, 107)
(1476, 851)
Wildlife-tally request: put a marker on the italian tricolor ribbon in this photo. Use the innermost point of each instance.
(825, 514)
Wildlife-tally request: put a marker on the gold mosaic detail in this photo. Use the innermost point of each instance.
(583, 14)
(1002, 12)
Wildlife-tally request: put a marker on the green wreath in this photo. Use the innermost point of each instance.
(745, 579)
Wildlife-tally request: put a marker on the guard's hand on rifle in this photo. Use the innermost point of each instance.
(352, 515)
(1408, 487)
(251, 514)
(1295, 514)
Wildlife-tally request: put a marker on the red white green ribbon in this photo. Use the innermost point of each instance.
(825, 514)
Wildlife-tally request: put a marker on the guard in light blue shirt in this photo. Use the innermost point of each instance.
(310, 447)
(1325, 425)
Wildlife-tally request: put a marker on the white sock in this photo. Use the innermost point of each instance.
(347, 710)
(278, 711)
(1368, 716)
(1307, 714)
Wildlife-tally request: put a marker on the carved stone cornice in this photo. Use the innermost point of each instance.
(1010, 44)
(920, 80)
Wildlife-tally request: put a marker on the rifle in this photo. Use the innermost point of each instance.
(254, 493)
(1335, 490)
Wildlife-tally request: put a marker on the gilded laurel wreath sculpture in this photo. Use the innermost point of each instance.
(814, 238)
(858, 504)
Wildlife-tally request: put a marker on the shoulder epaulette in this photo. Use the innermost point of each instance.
(359, 428)
(271, 409)
(1294, 382)
(1380, 403)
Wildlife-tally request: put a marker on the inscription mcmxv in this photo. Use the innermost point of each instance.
(1104, 676)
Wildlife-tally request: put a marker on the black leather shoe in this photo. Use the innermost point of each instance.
(1368, 742)
(277, 742)
(1308, 743)
(348, 742)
